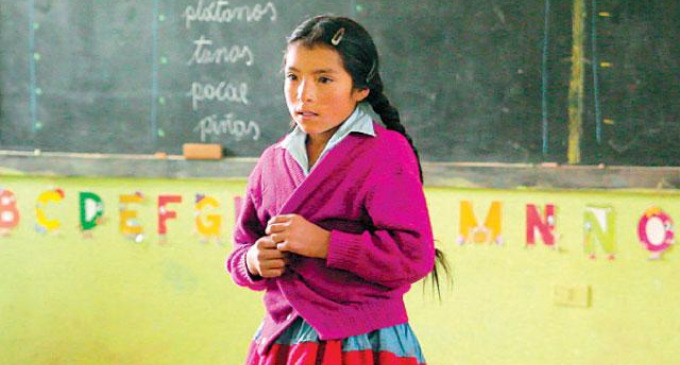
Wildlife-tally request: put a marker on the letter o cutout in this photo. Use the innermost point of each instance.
(655, 230)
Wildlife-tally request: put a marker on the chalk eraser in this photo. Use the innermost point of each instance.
(202, 151)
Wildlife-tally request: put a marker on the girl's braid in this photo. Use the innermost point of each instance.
(389, 114)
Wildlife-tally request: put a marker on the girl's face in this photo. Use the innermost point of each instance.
(319, 91)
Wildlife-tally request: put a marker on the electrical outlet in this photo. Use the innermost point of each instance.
(572, 295)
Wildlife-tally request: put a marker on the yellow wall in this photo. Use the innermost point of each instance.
(65, 299)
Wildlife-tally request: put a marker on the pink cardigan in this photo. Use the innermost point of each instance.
(367, 192)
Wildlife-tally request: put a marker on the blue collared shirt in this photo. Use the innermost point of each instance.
(360, 121)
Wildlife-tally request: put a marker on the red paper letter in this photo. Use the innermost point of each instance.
(165, 214)
(9, 214)
(534, 223)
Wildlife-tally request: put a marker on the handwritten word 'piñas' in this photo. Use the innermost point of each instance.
(211, 126)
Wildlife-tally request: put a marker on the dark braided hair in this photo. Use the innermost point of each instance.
(360, 59)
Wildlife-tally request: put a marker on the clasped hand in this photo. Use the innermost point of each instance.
(289, 233)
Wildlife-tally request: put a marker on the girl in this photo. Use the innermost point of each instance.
(334, 227)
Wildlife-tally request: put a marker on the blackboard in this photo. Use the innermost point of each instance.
(480, 81)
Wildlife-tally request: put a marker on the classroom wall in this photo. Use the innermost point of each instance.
(68, 298)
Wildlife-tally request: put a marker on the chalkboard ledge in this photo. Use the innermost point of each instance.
(437, 174)
(121, 165)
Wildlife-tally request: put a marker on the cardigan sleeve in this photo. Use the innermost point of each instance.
(248, 229)
(399, 248)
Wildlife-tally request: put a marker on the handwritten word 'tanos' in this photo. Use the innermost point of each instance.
(212, 126)
(203, 54)
(221, 12)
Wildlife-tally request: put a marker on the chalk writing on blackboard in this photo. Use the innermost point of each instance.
(203, 54)
(208, 53)
(212, 126)
(224, 91)
(221, 12)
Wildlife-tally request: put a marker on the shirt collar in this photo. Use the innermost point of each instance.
(359, 121)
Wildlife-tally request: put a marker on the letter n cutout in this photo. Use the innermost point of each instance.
(471, 231)
(599, 230)
(544, 227)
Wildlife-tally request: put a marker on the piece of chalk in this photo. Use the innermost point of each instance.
(202, 151)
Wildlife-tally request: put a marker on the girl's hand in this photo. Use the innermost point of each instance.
(295, 234)
(265, 260)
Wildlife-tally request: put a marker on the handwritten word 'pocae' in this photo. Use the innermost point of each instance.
(212, 126)
(203, 54)
(220, 12)
(223, 91)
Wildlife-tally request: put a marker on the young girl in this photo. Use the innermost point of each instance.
(334, 227)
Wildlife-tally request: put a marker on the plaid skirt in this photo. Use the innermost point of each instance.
(300, 345)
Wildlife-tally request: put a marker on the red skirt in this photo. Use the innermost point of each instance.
(300, 345)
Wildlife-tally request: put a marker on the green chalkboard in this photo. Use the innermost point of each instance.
(480, 81)
(141, 77)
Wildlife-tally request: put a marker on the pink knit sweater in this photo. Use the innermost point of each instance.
(367, 192)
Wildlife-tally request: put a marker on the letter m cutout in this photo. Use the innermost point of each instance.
(472, 231)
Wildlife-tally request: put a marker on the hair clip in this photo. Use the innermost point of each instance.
(371, 74)
(338, 36)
